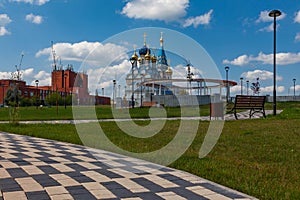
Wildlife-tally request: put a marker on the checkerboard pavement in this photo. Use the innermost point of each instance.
(34, 168)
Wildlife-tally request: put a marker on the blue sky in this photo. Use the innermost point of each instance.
(233, 32)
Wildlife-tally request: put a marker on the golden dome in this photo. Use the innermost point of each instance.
(153, 58)
(147, 56)
(169, 70)
(134, 56)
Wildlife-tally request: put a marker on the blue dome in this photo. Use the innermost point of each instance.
(143, 51)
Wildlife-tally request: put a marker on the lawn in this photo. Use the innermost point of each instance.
(259, 157)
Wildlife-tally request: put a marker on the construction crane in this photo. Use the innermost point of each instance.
(18, 68)
(54, 57)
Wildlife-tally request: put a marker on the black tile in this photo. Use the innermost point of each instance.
(77, 167)
(20, 155)
(100, 164)
(45, 180)
(17, 173)
(118, 190)
(148, 196)
(49, 170)
(19, 162)
(177, 180)
(39, 195)
(80, 192)
(9, 185)
(187, 194)
(148, 184)
(109, 174)
(221, 190)
(80, 178)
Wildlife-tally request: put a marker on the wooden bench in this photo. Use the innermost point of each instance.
(254, 103)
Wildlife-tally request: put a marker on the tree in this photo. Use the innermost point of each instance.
(256, 87)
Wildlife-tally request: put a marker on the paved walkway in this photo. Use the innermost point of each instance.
(34, 168)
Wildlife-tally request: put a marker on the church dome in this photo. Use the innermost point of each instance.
(144, 50)
(134, 56)
(147, 56)
(169, 70)
(153, 58)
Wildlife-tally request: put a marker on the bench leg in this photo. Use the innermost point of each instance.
(235, 114)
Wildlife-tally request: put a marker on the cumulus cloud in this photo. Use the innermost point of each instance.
(269, 89)
(297, 37)
(3, 31)
(102, 77)
(29, 75)
(4, 20)
(297, 88)
(281, 59)
(199, 20)
(164, 10)
(269, 28)
(33, 2)
(264, 17)
(92, 53)
(36, 19)
(297, 17)
(261, 74)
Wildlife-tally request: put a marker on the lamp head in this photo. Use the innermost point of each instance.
(274, 13)
(226, 68)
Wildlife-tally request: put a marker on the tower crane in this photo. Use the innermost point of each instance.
(18, 68)
(54, 57)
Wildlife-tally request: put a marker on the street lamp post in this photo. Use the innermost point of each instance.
(227, 85)
(133, 61)
(114, 91)
(274, 14)
(102, 91)
(142, 80)
(241, 85)
(37, 87)
(247, 87)
(65, 85)
(294, 80)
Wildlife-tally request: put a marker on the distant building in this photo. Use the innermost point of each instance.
(64, 81)
(148, 66)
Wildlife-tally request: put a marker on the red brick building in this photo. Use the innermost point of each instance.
(65, 82)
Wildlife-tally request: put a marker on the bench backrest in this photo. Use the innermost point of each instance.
(247, 101)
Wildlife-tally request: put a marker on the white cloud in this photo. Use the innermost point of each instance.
(165, 10)
(29, 75)
(4, 19)
(297, 37)
(240, 61)
(3, 31)
(196, 21)
(269, 89)
(264, 17)
(92, 53)
(297, 17)
(102, 77)
(281, 59)
(269, 28)
(36, 19)
(261, 74)
(33, 2)
(297, 88)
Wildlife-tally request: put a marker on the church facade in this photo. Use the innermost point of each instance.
(148, 66)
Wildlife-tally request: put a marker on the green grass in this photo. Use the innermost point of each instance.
(259, 157)
(102, 112)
